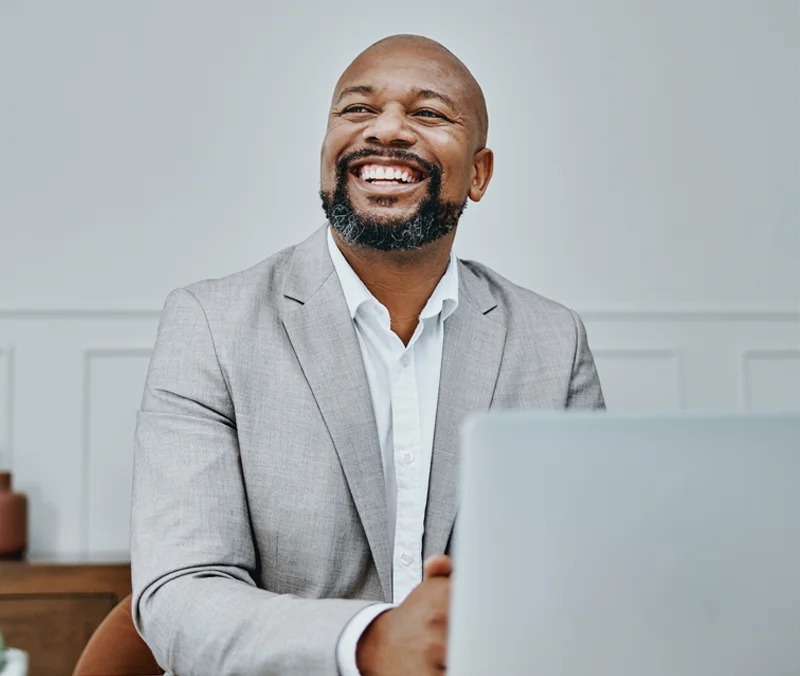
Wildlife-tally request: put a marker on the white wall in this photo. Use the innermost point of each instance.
(648, 166)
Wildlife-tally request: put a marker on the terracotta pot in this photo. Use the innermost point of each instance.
(13, 520)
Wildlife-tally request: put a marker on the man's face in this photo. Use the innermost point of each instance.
(397, 162)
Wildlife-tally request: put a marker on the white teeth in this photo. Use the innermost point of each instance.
(372, 172)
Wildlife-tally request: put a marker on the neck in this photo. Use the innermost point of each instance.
(402, 281)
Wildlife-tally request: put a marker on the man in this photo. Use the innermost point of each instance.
(297, 447)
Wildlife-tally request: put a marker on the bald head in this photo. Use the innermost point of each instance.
(405, 146)
(394, 47)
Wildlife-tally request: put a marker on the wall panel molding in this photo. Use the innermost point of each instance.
(749, 357)
(7, 394)
(671, 354)
(710, 314)
(610, 314)
(91, 355)
(77, 313)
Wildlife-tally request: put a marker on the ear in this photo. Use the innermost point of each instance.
(482, 169)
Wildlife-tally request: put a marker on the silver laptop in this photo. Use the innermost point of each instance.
(610, 545)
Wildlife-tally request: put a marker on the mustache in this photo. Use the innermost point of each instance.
(344, 163)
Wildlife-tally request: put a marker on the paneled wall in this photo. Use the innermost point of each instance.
(70, 386)
(71, 382)
(647, 164)
(745, 360)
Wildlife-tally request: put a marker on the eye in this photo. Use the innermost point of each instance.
(425, 112)
(356, 108)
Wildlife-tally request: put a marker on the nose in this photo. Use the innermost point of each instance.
(390, 128)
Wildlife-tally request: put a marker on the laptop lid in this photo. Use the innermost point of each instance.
(602, 544)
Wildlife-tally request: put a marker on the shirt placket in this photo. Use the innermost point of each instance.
(407, 439)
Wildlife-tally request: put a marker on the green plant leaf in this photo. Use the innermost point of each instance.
(2, 653)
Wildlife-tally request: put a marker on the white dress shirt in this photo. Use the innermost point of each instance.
(404, 385)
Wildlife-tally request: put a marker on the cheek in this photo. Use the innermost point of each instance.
(327, 169)
(327, 177)
(456, 164)
(456, 180)
(334, 145)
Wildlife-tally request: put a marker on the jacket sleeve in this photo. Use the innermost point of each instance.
(584, 385)
(193, 558)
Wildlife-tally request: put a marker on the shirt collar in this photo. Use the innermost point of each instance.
(443, 300)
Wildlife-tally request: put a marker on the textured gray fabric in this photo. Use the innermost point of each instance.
(259, 523)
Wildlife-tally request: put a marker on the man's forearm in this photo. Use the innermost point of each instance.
(348, 641)
(206, 622)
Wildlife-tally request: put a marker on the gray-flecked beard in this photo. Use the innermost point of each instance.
(433, 219)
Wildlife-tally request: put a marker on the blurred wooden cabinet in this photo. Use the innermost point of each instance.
(51, 609)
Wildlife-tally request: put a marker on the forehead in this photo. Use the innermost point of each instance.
(400, 71)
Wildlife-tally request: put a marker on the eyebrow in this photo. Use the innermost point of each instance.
(417, 92)
(431, 94)
(358, 89)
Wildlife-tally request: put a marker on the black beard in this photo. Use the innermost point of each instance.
(432, 220)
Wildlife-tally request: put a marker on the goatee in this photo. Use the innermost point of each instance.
(433, 219)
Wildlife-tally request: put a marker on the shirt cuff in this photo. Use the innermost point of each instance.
(348, 641)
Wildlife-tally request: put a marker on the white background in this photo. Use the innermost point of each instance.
(647, 174)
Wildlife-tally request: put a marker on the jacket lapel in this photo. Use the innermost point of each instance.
(322, 334)
(471, 356)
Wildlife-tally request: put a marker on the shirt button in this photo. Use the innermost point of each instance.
(405, 360)
(406, 559)
(408, 458)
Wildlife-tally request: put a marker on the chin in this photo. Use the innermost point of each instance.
(388, 212)
(382, 218)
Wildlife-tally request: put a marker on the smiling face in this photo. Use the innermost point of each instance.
(404, 147)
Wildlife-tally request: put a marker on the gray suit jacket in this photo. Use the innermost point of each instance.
(259, 521)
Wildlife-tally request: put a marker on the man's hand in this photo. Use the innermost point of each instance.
(412, 638)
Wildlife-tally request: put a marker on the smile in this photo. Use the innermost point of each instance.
(378, 173)
(387, 180)
(384, 176)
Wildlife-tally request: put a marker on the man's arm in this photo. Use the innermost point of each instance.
(584, 385)
(195, 601)
(347, 649)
